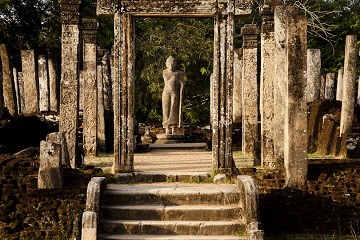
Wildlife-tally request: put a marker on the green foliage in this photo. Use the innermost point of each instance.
(190, 41)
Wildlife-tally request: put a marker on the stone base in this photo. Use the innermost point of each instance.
(169, 138)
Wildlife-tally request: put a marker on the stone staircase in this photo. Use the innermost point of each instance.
(171, 211)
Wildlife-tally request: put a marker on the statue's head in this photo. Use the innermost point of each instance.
(170, 63)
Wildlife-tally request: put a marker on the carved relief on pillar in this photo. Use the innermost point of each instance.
(70, 11)
(89, 29)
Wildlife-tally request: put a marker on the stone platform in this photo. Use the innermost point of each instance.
(163, 138)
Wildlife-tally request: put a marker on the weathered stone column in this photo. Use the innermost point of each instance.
(69, 83)
(280, 86)
(322, 87)
(101, 142)
(105, 72)
(250, 88)
(53, 86)
(348, 101)
(16, 88)
(29, 76)
(267, 76)
(223, 75)
(81, 90)
(8, 86)
(313, 74)
(237, 91)
(123, 93)
(21, 92)
(43, 84)
(89, 29)
(295, 135)
(330, 86)
(339, 84)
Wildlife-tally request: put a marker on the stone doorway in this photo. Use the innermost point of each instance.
(223, 13)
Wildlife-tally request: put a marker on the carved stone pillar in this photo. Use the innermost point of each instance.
(89, 29)
(223, 76)
(123, 93)
(250, 89)
(69, 82)
(267, 76)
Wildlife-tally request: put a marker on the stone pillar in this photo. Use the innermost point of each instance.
(105, 72)
(101, 142)
(123, 93)
(21, 92)
(280, 85)
(112, 73)
(53, 86)
(81, 90)
(30, 89)
(313, 74)
(69, 82)
(16, 88)
(295, 134)
(339, 85)
(1, 92)
(322, 87)
(330, 86)
(89, 29)
(50, 170)
(348, 101)
(249, 89)
(223, 75)
(237, 91)
(43, 84)
(8, 86)
(267, 79)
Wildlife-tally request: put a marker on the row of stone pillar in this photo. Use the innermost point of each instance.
(290, 77)
(34, 89)
(88, 90)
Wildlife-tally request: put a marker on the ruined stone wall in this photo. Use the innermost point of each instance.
(29, 213)
(329, 203)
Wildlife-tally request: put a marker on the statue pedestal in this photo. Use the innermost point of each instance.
(169, 138)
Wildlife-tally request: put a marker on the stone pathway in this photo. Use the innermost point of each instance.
(168, 160)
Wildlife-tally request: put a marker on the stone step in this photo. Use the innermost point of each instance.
(139, 227)
(153, 177)
(171, 194)
(169, 237)
(172, 213)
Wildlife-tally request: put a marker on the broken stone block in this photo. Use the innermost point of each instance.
(50, 171)
(59, 138)
(220, 179)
